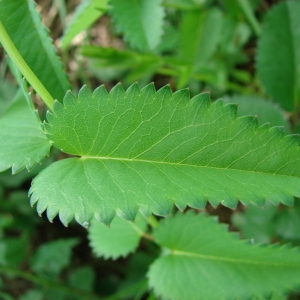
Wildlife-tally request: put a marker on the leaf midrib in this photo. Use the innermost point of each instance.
(230, 260)
(181, 165)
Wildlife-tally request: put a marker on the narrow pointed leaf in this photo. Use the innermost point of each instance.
(279, 70)
(204, 261)
(20, 20)
(23, 142)
(146, 150)
(85, 15)
(119, 239)
(199, 34)
(140, 21)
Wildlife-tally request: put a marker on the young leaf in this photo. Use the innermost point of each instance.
(121, 238)
(23, 142)
(85, 15)
(140, 21)
(146, 150)
(20, 20)
(201, 259)
(279, 70)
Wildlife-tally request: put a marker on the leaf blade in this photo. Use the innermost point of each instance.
(133, 18)
(23, 142)
(146, 150)
(120, 239)
(203, 258)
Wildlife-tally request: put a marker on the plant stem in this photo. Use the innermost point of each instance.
(48, 284)
(152, 221)
(247, 10)
(16, 57)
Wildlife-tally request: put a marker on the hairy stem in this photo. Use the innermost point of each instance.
(16, 57)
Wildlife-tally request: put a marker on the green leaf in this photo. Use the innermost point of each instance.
(82, 278)
(52, 257)
(120, 239)
(23, 142)
(12, 254)
(287, 223)
(146, 150)
(267, 111)
(203, 261)
(256, 223)
(279, 70)
(134, 18)
(21, 20)
(85, 15)
(199, 35)
(7, 93)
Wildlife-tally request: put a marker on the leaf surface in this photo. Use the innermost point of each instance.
(87, 12)
(21, 20)
(202, 260)
(23, 142)
(279, 70)
(121, 238)
(146, 150)
(141, 22)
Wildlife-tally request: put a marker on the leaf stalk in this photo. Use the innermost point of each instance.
(16, 57)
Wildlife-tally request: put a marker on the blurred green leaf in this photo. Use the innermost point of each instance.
(32, 295)
(52, 257)
(141, 22)
(287, 223)
(82, 278)
(7, 94)
(199, 34)
(278, 54)
(256, 223)
(87, 12)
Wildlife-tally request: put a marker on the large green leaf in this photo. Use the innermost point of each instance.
(203, 261)
(23, 142)
(119, 239)
(278, 55)
(141, 21)
(147, 150)
(85, 15)
(23, 24)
